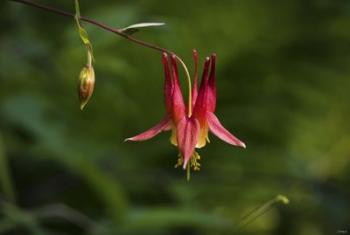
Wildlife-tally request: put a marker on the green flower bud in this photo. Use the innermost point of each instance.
(87, 84)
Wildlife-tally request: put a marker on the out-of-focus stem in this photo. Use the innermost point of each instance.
(5, 175)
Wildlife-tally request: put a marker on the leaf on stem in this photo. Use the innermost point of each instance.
(82, 32)
(131, 29)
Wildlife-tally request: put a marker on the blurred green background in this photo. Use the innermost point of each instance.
(283, 88)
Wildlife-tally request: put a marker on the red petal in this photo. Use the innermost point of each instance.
(178, 102)
(168, 84)
(163, 125)
(187, 136)
(217, 129)
(211, 98)
(200, 109)
(195, 82)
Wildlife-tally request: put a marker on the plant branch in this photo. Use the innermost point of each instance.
(98, 24)
(119, 32)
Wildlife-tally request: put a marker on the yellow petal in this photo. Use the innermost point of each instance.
(173, 139)
(203, 137)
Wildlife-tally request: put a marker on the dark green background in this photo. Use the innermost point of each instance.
(283, 88)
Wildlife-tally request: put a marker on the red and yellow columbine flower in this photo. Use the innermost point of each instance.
(190, 125)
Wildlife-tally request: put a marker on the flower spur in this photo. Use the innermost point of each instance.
(190, 125)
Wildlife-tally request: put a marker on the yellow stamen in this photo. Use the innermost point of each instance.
(179, 162)
(193, 163)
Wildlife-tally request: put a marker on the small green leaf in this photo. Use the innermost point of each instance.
(131, 29)
(84, 36)
(82, 32)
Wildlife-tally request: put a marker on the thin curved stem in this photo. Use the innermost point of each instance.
(189, 85)
(98, 24)
(120, 33)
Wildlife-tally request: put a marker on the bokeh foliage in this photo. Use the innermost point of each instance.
(283, 88)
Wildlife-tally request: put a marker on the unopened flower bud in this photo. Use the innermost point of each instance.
(86, 86)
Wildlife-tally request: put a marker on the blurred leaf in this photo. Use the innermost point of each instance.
(110, 191)
(131, 29)
(158, 218)
(17, 218)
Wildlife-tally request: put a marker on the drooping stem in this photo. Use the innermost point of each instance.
(113, 30)
(98, 24)
(89, 58)
(120, 33)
